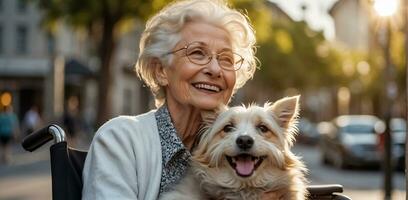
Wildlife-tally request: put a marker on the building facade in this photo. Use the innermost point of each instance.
(45, 70)
(24, 55)
(352, 24)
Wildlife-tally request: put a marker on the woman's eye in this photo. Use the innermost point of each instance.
(226, 60)
(263, 128)
(228, 128)
(197, 54)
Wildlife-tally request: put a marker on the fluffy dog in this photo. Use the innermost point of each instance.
(244, 152)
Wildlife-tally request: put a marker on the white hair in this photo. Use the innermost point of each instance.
(162, 33)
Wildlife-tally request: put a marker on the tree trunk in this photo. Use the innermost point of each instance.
(106, 74)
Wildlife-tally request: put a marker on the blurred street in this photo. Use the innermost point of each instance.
(358, 183)
(28, 177)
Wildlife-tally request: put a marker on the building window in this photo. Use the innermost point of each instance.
(1, 5)
(22, 40)
(21, 5)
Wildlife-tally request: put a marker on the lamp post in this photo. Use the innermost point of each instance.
(387, 117)
(385, 9)
(405, 17)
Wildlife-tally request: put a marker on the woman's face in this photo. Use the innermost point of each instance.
(200, 86)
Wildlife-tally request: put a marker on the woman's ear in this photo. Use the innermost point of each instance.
(160, 72)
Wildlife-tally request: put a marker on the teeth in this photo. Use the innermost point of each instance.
(255, 159)
(207, 87)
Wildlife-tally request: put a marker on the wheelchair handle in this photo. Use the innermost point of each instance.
(42, 136)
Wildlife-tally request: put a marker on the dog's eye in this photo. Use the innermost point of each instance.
(228, 128)
(263, 128)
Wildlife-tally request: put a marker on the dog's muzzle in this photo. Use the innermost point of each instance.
(245, 164)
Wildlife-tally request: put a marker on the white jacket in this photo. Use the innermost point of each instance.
(124, 160)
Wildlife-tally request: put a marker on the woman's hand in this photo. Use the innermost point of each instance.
(273, 195)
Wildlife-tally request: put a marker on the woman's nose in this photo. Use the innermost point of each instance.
(213, 68)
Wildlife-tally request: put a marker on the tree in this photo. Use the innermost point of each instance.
(101, 19)
(295, 56)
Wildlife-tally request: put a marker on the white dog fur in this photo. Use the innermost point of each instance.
(267, 134)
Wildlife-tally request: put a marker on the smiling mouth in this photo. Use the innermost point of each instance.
(245, 164)
(207, 87)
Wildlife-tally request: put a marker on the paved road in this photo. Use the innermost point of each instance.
(28, 177)
(358, 183)
(31, 181)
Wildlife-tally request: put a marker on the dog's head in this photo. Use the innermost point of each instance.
(241, 143)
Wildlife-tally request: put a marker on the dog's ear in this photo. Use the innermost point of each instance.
(209, 116)
(286, 110)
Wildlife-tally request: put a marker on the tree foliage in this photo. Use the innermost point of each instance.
(295, 56)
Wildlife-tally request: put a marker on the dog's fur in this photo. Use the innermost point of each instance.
(272, 129)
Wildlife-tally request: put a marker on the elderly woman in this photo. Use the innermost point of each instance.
(194, 55)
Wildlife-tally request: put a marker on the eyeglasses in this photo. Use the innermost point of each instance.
(199, 54)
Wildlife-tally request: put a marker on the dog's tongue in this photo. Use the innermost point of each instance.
(244, 165)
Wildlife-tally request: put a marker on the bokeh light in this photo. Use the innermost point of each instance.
(5, 99)
(363, 68)
(386, 7)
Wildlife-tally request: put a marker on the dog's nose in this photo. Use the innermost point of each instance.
(245, 142)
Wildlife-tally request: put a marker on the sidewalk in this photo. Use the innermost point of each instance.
(369, 194)
(372, 194)
(28, 174)
(19, 156)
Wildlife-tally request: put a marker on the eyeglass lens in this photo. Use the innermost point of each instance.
(201, 55)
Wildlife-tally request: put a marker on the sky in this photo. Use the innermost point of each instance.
(316, 14)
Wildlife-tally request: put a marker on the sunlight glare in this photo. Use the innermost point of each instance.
(385, 7)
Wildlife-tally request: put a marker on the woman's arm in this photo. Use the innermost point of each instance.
(110, 166)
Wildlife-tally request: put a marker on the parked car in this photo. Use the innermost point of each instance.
(351, 140)
(308, 133)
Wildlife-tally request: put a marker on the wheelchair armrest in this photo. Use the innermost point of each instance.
(321, 190)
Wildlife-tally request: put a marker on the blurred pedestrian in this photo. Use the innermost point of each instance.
(8, 130)
(71, 120)
(32, 120)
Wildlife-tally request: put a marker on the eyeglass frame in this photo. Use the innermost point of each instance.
(241, 60)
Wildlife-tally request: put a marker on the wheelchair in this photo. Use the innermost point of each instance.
(67, 164)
